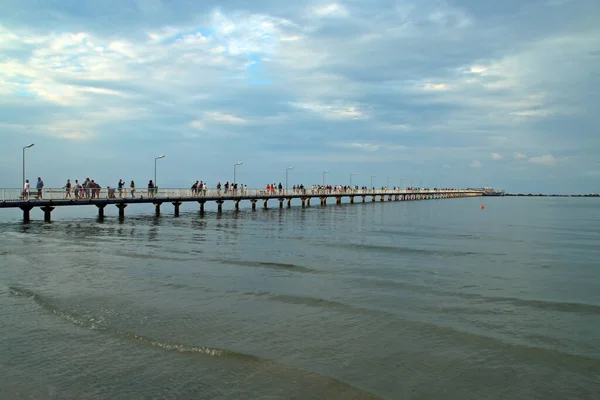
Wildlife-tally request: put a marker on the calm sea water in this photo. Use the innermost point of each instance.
(404, 300)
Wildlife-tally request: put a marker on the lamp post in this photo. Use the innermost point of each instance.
(286, 177)
(372, 176)
(354, 173)
(324, 172)
(155, 159)
(388, 182)
(234, 167)
(24, 148)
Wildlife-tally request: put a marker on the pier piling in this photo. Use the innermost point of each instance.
(47, 213)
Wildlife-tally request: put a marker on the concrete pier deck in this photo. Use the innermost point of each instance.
(52, 198)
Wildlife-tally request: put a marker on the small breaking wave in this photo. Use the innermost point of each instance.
(270, 265)
(98, 324)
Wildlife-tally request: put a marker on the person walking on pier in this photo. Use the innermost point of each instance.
(67, 188)
(132, 189)
(120, 187)
(39, 186)
(26, 188)
(77, 190)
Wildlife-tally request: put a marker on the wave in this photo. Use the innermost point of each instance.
(98, 324)
(547, 305)
(400, 250)
(167, 345)
(269, 265)
(151, 256)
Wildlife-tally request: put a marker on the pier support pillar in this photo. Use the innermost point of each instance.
(121, 208)
(219, 206)
(351, 199)
(201, 202)
(236, 205)
(396, 197)
(26, 210)
(323, 201)
(373, 199)
(390, 197)
(265, 203)
(338, 200)
(308, 202)
(382, 198)
(280, 203)
(289, 202)
(303, 202)
(253, 204)
(47, 213)
(176, 204)
(100, 210)
(157, 208)
(364, 198)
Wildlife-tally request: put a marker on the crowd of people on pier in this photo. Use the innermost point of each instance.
(88, 189)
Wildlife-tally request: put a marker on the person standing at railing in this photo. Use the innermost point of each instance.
(26, 188)
(150, 188)
(219, 188)
(39, 186)
(120, 187)
(67, 188)
(132, 189)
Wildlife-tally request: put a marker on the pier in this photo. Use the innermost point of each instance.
(49, 199)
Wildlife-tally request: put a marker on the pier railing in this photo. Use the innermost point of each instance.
(12, 194)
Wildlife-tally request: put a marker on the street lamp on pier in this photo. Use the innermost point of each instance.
(24, 148)
(155, 159)
(324, 172)
(234, 167)
(354, 173)
(372, 176)
(388, 182)
(286, 177)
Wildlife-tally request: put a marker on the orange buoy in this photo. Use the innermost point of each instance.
(482, 207)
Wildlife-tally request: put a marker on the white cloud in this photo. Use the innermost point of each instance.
(496, 156)
(532, 113)
(199, 125)
(370, 147)
(475, 164)
(333, 111)
(435, 87)
(330, 10)
(519, 156)
(217, 116)
(547, 160)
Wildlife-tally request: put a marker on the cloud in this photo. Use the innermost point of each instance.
(333, 111)
(547, 160)
(217, 116)
(379, 86)
(335, 10)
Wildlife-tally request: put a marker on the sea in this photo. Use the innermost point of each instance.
(436, 299)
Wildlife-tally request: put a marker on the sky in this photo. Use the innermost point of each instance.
(462, 93)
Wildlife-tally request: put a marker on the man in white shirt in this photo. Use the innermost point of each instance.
(26, 188)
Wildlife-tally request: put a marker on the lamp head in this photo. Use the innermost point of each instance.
(29, 145)
(239, 163)
(161, 156)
